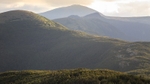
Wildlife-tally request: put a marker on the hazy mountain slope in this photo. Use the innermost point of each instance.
(144, 19)
(94, 24)
(76, 76)
(138, 31)
(128, 29)
(30, 41)
(67, 11)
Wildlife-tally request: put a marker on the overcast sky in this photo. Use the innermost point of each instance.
(107, 7)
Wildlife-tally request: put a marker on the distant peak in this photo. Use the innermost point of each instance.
(66, 11)
(95, 15)
(77, 5)
(74, 16)
(80, 7)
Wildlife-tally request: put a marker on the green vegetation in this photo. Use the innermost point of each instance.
(74, 76)
(141, 72)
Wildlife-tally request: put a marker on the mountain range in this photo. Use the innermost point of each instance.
(29, 41)
(128, 29)
(67, 11)
(93, 24)
(90, 21)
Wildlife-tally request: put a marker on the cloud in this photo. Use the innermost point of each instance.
(111, 7)
(42, 5)
(127, 8)
(109, 0)
(23, 6)
(50, 2)
(68, 2)
(138, 8)
(17, 6)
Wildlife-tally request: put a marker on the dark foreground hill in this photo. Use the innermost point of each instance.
(75, 76)
(29, 41)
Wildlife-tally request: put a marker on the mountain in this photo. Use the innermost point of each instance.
(144, 19)
(94, 24)
(138, 30)
(31, 42)
(95, 15)
(67, 11)
(129, 29)
(74, 76)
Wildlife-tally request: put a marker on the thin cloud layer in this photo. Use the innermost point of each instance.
(50, 2)
(111, 7)
(33, 5)
(68, 2)
(134, 8)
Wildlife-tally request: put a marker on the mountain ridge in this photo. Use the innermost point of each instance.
(128, 29)
(40, 44)
(92, 24)
(125, 25)
(67, 11)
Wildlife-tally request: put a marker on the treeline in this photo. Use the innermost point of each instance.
(76, 76)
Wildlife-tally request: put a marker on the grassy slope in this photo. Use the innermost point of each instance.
(74, 76)
(141, 72)
(29, 41)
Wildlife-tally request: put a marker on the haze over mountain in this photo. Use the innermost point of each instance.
(30, 41)
(137, 29)
(125, 28)
(144, 19)
(67, 11)
(93, 24)
(129, 29)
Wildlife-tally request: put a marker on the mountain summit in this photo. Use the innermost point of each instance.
(95, 15)
(25, 18)
(67, 11)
